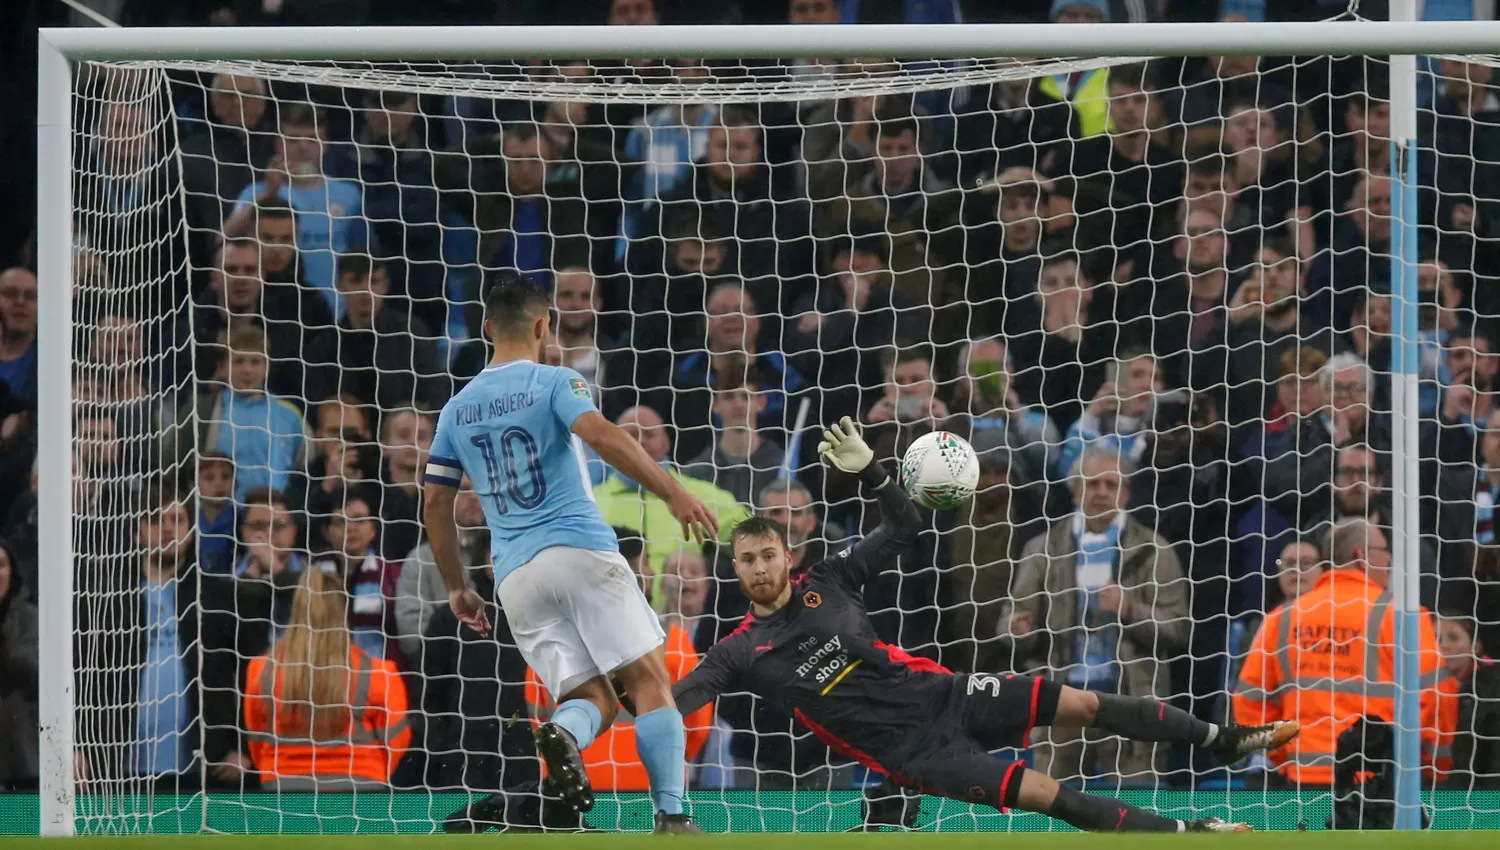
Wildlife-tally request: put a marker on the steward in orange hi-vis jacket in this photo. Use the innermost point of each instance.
(321, 712)
(1327, 657)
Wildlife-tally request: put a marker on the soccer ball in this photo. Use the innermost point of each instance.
(940, 471)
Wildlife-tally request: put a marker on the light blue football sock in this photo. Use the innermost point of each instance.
(581, 718)
(662, 742)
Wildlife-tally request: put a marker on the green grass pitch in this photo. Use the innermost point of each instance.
(742, 841)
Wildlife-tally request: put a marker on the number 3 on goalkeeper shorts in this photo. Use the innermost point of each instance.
(535, 492)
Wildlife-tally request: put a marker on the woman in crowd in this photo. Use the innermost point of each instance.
(323, 714)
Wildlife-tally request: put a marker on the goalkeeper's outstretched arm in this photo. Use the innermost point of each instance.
(716, 674)
(844, 448)
(899, 521)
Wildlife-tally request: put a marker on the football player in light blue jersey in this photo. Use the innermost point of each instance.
(574, 605)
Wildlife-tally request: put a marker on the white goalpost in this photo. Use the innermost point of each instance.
(162, 264)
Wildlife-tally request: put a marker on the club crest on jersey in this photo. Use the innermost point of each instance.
(578, 387)
(976, 793)
(811, 599)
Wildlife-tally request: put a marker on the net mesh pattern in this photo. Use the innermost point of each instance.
(1154, 295)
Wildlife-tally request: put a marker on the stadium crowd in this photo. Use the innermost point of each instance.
(1156, 298)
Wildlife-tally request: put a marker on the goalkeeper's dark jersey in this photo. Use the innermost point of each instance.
(819, 656)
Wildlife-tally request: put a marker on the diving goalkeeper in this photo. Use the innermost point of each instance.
(808, 645)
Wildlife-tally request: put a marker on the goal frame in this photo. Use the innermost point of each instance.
(1402, 38)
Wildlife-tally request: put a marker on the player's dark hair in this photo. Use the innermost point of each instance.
(513, 303)
(757, 526)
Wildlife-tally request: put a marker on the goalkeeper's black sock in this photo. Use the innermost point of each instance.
(1093, 813)
(1150, 721)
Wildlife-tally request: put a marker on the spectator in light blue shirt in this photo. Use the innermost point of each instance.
(164, 709)
(666, 145)
(161, 642)
(264, 435)
(329, 212)
(163, 718)
(1116, 418)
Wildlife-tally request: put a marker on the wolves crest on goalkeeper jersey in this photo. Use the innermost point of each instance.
(510, 431)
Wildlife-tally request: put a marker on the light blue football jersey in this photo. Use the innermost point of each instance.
(510, 431)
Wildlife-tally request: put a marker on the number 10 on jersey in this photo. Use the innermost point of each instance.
(527, 498)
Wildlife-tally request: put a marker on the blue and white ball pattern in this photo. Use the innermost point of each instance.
(940, 471)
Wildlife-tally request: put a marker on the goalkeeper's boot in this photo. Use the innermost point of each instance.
(1218, 825)
(565, 766)
(675, 825)
(1236, 742)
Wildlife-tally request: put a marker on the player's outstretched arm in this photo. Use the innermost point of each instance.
(710, 678)
(442, 534)
(621, 451)
(844, 448)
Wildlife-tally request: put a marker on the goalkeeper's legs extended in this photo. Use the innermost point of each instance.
(1001, 711)
(1152, 721)
(965, 771)
(1134, 718)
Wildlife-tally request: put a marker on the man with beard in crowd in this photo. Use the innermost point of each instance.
(1467, 404)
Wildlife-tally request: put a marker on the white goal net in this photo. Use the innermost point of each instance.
(1155, 294)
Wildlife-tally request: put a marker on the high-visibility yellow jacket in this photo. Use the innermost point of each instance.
(625, 505)
(1326, 659)
(1090, 99)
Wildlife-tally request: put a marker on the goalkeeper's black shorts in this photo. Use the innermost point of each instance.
(985, 713)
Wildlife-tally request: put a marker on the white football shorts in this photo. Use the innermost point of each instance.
(577, 614)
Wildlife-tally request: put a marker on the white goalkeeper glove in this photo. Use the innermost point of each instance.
(843, 447)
